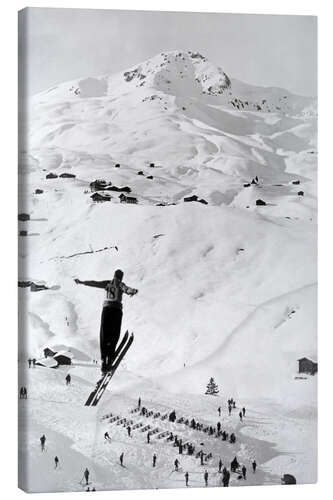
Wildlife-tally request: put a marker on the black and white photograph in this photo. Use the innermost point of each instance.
(167, 250)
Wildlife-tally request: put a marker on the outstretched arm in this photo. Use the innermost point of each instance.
(128, 290)
(95, 284)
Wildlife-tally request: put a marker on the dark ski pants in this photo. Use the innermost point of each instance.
(109, 332)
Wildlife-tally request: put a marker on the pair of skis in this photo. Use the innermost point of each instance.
(103, 382)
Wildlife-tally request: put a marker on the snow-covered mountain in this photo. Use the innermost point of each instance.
(226, 289)
(176, 111)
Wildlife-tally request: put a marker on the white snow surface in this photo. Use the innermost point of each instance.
(226, 290)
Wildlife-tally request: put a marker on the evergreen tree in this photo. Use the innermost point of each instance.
(212, 387)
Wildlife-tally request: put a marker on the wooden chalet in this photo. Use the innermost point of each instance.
(127, 199)
(99, 197)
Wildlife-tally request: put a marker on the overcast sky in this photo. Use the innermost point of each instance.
(63, 44)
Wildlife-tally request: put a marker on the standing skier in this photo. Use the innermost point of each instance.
(254, 466)
(176, 465)
(243, 411)
(220, 465)
(68, 379)
(29, 362)
(111, 314)
(206, 478)
(86, 476)
(139, 403)
(148, 437)
(186, 478)
(219, 410)
(42, 442)
(129, 431)
(121, 459)
(154, 459)
(241, 416)
(56, 462)
(244, 472)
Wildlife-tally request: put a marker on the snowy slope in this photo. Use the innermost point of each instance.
(226, 289)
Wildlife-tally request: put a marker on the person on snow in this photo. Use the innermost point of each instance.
(243, 411)
(129, 430)
(68, 379)
(86, 476)
(172, 416)
(139, 403)
(254, 466)
(240, 416)
(219, 410)
(186, 478)
(154, 459)
(206, 478)
(176, 465)
(112, 314)
(234, 465)
(25, 393)
(220, 465)
(226, 477)
(34, 362)
(201, 457)
(232, 438)
(148, 437)
(218, 426)
(56, 462)
(107, 437)
(229, 409)
(244, 472)
(29, 362)
(121, 459)
(42, 442)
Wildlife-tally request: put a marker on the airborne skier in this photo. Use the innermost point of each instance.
(111, 314)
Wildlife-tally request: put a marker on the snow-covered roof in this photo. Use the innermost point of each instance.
(47, 362)
(67, 354)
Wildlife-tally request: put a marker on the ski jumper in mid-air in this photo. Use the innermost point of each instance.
(112, 314)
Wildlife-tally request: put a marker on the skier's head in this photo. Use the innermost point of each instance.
(118, 274)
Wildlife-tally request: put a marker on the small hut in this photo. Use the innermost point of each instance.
(63, 357)
(23, 217)
(99, 185)
(260, 202)
(127, 199)
(48, 352)
(191, 198)
(99, 197)
(48, 362)
(306, 365)
(66, 175)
